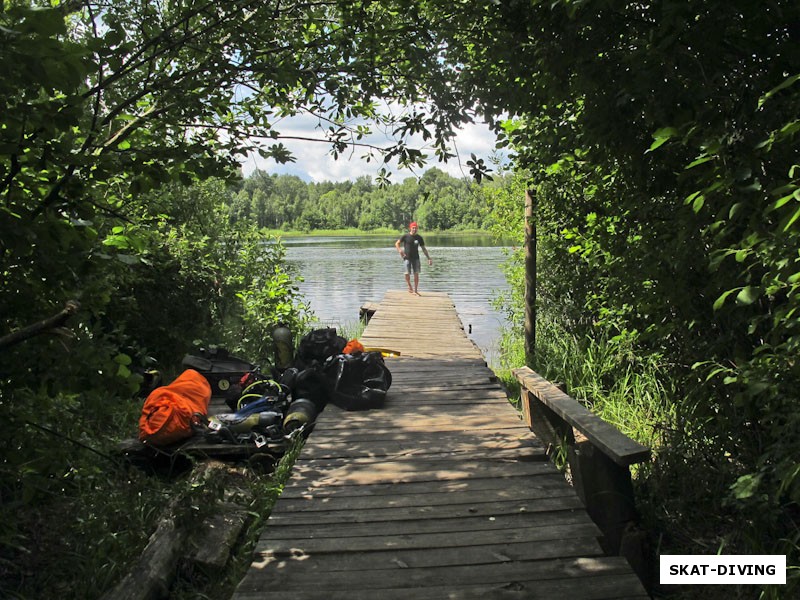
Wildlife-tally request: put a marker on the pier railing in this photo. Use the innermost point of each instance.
(599, 457)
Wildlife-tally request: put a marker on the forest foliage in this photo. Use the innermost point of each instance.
(435, 200)
(660, 140)
(662, 152)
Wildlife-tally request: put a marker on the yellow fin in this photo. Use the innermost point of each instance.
(384, 352)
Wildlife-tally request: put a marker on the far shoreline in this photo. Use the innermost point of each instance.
(383, 231)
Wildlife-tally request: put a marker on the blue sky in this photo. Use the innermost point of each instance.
(314, 163)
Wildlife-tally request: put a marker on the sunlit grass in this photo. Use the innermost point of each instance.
(626, 392)
(350, 329)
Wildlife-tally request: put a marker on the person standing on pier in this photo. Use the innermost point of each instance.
(408, 246)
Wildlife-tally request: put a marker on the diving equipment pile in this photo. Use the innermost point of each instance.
(265, 409)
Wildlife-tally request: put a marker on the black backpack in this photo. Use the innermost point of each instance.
(309, 384)
(317, 346)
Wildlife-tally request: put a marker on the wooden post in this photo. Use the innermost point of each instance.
(607, 490)
(530, 277)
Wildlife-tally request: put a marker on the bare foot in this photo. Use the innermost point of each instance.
(410, 291)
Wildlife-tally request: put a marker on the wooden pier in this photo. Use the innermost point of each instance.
(442, 493)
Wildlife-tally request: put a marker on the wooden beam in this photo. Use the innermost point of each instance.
(619, 447)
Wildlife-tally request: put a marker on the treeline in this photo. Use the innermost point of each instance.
(436, 201)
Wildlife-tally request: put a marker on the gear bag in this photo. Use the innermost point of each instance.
(318, 345)
(359, 381)
(167, 412)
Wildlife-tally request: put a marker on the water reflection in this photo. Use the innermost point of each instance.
(342, 273)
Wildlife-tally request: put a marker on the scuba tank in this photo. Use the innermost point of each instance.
(300, 413)
(245, 423)
(284, 348)
(263, 404)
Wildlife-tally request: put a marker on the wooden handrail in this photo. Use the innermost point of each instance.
(599, 466)
(611, 441)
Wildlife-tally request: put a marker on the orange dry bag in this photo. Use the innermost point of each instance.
(167, 412)
(353, 346)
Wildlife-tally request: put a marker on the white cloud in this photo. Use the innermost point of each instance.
(315, 163)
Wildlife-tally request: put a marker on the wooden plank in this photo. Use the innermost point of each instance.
(419, 441)
(589, 571)
(618, 446)
(426, 525)
(403, 473)
(377, 450)
(379, 453)
(430, 459)
(420, 506)
(435, 419)
(597, 588)
(497, 572)
(519, 590)
(499, 488)
(440, 557)
(378, 542)
(421, 427)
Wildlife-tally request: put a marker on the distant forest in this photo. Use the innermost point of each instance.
(435, 200)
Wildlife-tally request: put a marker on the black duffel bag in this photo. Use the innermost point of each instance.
(358, 381)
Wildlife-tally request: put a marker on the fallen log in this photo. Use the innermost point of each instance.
(217, 537)
(152, 576)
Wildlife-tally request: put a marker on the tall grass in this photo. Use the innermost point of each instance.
(606, 376)
(351, 329)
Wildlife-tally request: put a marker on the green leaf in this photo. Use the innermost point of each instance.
(782, 201)
(786, 83)
(665, 132)
(699, 161)
(748, 295)
(746, 486)
(661, 137)
(693, 197)
(792, 220)
(721, 300)
(117, 241)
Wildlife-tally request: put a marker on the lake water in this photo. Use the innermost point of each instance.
(340, 274)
